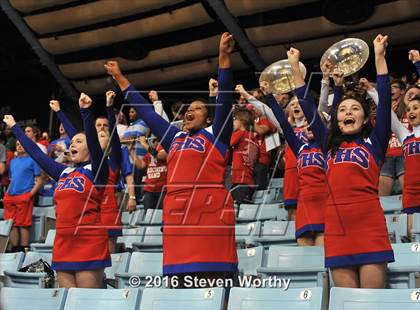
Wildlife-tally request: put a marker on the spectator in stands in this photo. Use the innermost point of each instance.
(102, 124)
(357, 248)
(244, 155)
(25, 181)
(11, 141)
(154, 162)
(121, 123)
(80, 251)
(45, 139)
(33, 133)
(189, 234)
(59, 146)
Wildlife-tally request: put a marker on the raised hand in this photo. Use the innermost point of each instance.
(338, 77)
(213, 87)
(110, 96)
(365, 84)
(112, 68)
(293, 55)
(153, 96)
(380, 43)
(9, 120)
(55, 105)
(84, 101)
(265, 87)
(414, 56)
(227, 43)
(326, 69)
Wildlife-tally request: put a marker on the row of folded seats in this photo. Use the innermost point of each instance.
(304, 266)
(209, 299)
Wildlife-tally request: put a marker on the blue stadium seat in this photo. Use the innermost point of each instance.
(47, 246)
(152, 240)
(152, 217)
(38, 222)
(415, 231)
(374, 299)
(129, 236)
(261, 212)
(182, 299)
(391, 204)
(397, 227)
(277, 232)
(131, 219)
(11, 261)
(32, 298)
(45, 201)
(102, 299)
(141, 265)
(28, 279)
(5, 228)
(247, 213)
(276, 183)
(119, 264)
(244, 233)
(249, 260)
(303, 265)
(275, 298)
(405, 271)
(267, 196)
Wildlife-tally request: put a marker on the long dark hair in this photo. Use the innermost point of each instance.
(336, 137)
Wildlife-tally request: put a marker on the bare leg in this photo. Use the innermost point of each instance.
(401, 179)
(66, 279)
(112, 245)
(305, 241)
(14, 236)
(90, 278)
(346, 277)
(373, 275)
(291, 212)
(385, 185)
(319, 239)
(24, 236)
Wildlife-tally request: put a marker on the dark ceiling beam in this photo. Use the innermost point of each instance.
(57, 7)
(44, 57)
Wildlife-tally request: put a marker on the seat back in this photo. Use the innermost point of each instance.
(275, 298)
(119, 264)
(374, 299)
(130, 236)
(32, 298)
(397, 226)
(5, 228)
(50, 237)
(153, 234)
(10, 261)
(31, 257)
(250, 259)
(391, 204)
(401, 273)
(296, 258)
(278, 230)
(146, 263)
(247, 212)
(247, 231)
(181, 299)
(271, 211)
(102, 299)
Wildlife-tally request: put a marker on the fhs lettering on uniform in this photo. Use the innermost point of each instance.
(311, 160)
(353, 155)
(411, 148)
(72, 183)
(190, 143)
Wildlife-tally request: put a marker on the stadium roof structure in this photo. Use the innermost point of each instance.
(159, 42)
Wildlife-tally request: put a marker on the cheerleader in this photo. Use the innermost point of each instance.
(80, 251)
(198, 212)
(357, 248)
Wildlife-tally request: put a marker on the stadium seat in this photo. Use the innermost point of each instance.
(261, 212)
(303, 265)
(45, 201)
(267, 196)
(38, 222)
(276, 183)
(152, 240)
(276, 232)
(31, 298)
(244, 233)
(129, 236)
(373, 299)
(1, 214)
(130, 219)
(47, 246)
(397, 227)
(391, 204)
(5, 228)
(415, 231)
(10, 261)
(405, 271)
(152, 217)
(28, 279)
(102, 299)
(249, 260)
(181, 299)
(119, 264)
(275, 298)
(141, 265)
(49, 223)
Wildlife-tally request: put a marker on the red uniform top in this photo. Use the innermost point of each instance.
(244, 156)
(353, 173)
(77, 201)
(264, 157)
(155, 174)
(411, 192)
(109, 206)
(394, 146)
